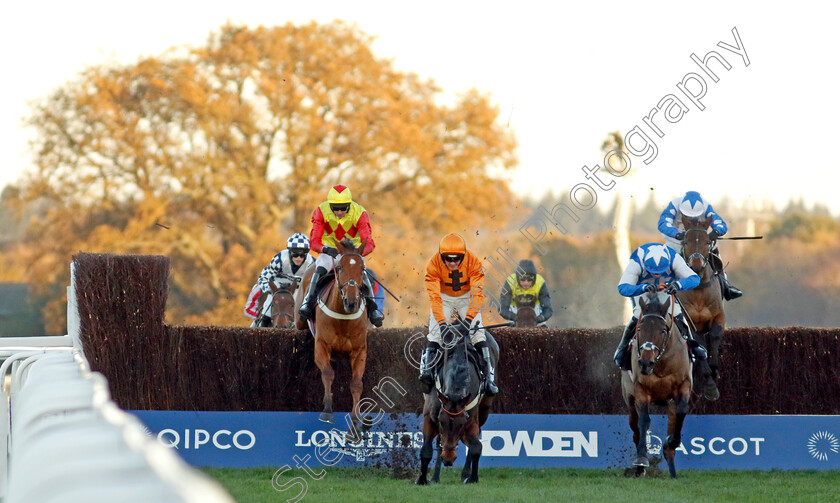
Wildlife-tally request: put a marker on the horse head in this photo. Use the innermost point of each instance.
(526, 315)
(653, 331)
(349, 269)
(283, 305)
(460, 385)
(697, 244)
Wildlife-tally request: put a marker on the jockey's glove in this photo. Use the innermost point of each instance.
(540, 319)
(679, 236)
(672, 288)
(507, 314)
(332, 252)
(651, 288)
(714, 234)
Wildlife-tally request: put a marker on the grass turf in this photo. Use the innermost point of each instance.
(366, 485)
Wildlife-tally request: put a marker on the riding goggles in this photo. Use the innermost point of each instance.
(527, 277)
(339, 207)
(452, 258)
(298, 254)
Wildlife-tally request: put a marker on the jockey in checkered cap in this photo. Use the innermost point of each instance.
(654, 267)
(336, 218)
(292, 261)
(692, 205)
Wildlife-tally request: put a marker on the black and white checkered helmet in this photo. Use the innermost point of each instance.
(298, 241)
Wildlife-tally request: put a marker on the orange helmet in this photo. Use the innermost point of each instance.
(339, 194)
(453, 244)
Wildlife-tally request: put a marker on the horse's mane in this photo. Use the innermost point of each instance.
(457, 382)
(348, 244)
(653, 303)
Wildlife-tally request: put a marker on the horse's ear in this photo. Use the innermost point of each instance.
(363, 245)
(339, 247)
(666, 305)
(642, 301)
(706, 223)
(272, 286)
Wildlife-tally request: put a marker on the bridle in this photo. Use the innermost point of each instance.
(696, 255)
(445, 360)
(283, 291)
(666, 331)
(337, 270)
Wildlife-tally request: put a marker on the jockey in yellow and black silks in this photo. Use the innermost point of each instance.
(333, 220)
(526, 283)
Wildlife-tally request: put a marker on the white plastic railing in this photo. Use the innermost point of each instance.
(68, 442)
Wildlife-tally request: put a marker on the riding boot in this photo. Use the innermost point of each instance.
(427, 363)
(696, 348)
(622, 353)
(307, 308)
(728, 291)
(374, 314)
(490, 388)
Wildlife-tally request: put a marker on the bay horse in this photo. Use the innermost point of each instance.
(526, 314)
(661, 375)
(283, 304)
(456, 410)
(340, 323)
(703, 305)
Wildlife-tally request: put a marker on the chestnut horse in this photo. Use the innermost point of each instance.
(340, 323)
(703, 305)
(661, 375)
(456, 410)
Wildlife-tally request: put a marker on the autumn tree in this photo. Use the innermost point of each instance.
(213, 155)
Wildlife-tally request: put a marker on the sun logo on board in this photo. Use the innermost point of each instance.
(821, 444)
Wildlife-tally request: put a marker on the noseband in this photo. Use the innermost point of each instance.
(696, 255)
(352, 282)
(666, 331)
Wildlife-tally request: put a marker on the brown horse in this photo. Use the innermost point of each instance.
(703, 305)
(456, 410)
(340, 323)
(661, 375)
(526, 314)
(283, 305)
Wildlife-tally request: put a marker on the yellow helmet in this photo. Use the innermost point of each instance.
(340, 194)
(453, 244)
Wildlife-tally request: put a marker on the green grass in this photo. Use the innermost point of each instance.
(367, 485)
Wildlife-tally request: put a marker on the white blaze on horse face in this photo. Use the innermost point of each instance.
(353, 261)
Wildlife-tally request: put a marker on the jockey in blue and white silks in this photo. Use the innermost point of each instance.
(692, 205)
(654, 267)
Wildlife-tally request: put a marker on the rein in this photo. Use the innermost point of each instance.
(667, 331)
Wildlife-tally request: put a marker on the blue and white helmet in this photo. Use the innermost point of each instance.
(298, 241)
(657, 259)
(693, 205)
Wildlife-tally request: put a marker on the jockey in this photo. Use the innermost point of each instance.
(525, 282)
(334, 219)
(451, 275)
(692, 205)
(654, 267)
(292, 261)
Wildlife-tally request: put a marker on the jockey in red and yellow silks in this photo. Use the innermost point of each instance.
(454, 281)
(333, 220)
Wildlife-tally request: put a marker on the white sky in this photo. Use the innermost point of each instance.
(563, 77)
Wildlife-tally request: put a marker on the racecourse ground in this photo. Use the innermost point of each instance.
(368, 485)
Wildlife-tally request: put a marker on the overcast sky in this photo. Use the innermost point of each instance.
(563, 77)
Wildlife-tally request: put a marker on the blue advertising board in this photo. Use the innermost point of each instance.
(248, 439)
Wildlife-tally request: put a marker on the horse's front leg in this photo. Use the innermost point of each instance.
(710, 391)
(715, 338)
(438, 463)
(642, 411)
(470, 473)
(322, 360)
(677, 411)
(358, 360)
(429, 434)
